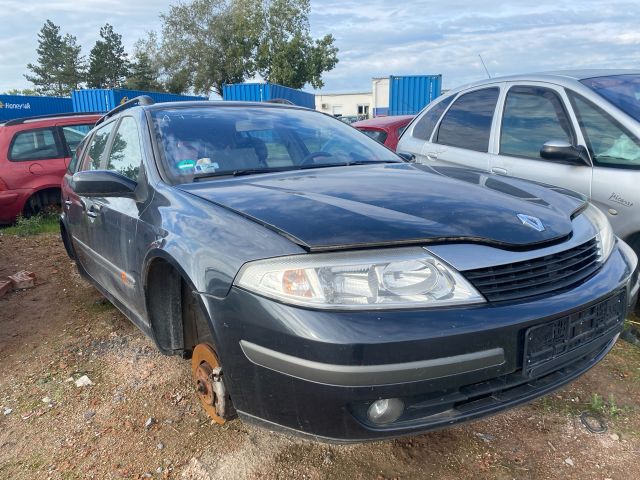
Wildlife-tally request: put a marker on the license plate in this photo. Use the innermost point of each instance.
(547, 342)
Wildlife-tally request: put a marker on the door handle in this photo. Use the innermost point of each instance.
(432, 156)
(499, 171)
(68, 203)
(93, 211)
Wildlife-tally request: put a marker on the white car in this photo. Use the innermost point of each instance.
(578, 130)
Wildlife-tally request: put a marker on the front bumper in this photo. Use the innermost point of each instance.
(316, 372)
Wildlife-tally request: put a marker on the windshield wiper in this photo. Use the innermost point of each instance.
(253, 171)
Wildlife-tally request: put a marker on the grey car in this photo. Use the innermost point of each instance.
(574, 129)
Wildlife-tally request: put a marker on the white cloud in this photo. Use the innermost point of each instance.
(379, 37)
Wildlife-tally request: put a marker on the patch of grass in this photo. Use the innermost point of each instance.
(606, 408)
(33, 225)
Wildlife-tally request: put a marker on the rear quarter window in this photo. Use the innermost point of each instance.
(36, 144)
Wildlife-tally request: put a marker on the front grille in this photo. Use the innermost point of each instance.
(539, 276)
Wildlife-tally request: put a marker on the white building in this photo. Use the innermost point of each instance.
(357, 104)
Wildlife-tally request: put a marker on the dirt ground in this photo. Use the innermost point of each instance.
(62, 329)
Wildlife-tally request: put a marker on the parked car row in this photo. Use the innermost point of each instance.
(323, 285)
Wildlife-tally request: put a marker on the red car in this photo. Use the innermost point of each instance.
(34, 155)
(386, 130)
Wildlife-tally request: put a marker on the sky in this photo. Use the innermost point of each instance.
(378, 37)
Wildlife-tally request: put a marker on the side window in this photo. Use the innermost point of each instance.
(532, 116)
(424, 127)
(38, 144)
(609, 143)
(97, 147)
(377, 135)
(73, 135)
(73, 165)
(467, 124)
(125, 156)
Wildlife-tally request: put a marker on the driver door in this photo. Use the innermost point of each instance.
(532, 115)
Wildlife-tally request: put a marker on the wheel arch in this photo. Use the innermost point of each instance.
(178, 317)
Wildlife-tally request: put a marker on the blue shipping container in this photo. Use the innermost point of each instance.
(20, 106)
(104, 99)
(264, 92)
(410, 94)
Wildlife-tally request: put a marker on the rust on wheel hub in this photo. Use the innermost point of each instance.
(206, 373)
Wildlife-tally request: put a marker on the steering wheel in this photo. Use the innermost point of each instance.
(309, 158)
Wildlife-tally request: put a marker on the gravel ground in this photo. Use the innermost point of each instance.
(62, 330)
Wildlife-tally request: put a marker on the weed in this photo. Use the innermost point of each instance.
(33, 225)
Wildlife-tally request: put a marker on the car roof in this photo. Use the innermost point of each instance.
(562, 77)
(382, 122)
(46, 120)
(217, 103)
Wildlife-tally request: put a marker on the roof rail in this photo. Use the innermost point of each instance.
(18, 121)
(140, 100)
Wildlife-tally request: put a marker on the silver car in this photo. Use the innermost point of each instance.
(576, 129)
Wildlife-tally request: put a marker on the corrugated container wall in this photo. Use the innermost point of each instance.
(410, 94)
(264, 92)
(19, 106)
(104, 99)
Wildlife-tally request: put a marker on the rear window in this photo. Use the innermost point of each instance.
(621, 90)
(37, 144)
(377, 135)
(73, 135)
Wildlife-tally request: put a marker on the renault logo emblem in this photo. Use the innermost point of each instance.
(532, 222)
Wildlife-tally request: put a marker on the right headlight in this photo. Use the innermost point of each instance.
(363, 280)
(605, 235)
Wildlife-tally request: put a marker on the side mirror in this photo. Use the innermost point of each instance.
(407, 157)
(102, 183)
(563, 151)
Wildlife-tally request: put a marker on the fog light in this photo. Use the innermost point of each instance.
(385, 411)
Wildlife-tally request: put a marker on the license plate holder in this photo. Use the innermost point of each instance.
(547, 342)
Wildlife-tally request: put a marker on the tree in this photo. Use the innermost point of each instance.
(145, 71)
(24, 91)
(73, 63)
(60, 65)
(207, 43)
(286, 53)
(108, 62)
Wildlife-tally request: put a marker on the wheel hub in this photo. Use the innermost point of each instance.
(207, 378)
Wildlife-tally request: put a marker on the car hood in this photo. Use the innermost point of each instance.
(395, 204)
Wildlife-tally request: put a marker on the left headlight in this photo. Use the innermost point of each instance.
(605, 235)
(375, 279)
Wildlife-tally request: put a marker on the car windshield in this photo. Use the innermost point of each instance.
(212, 141)
(621, 90)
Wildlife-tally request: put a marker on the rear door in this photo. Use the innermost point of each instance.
(615, 151)
(36, 157)
(463, 136)
(531, 115)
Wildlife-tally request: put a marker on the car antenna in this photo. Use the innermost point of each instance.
(485, 67)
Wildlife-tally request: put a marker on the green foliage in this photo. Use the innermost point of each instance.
(60, 65)
(286, 52)
(24, 91)
(33, 225)
(207, 43)
(145, 68)
(610, 408)
(108, 62)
